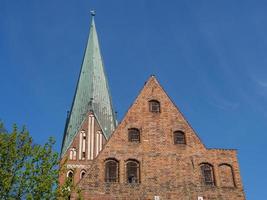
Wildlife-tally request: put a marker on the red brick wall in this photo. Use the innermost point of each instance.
(167, 170)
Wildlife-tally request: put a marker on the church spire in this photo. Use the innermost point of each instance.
(92, 93)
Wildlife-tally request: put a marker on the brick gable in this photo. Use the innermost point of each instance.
(167, 170)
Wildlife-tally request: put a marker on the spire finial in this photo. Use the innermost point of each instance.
(92, 12)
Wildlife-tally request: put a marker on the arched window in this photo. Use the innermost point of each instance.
(82, 174)
(133, 171)
(226, 175)
(207, 174)
(70, 174)
(179, 137)
(133, 135)
(111, 170)
(154, 106)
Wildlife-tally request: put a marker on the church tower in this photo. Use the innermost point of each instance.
(154, 153)
(91, 119)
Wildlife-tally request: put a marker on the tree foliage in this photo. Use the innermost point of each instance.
(28, 170)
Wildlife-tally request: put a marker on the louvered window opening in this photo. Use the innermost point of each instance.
(111, 171)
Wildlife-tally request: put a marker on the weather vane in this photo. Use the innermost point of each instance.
(92, 12)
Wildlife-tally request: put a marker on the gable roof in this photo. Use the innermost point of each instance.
(151, 84)
(170, 112)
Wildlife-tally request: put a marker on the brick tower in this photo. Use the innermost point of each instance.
(153, 154)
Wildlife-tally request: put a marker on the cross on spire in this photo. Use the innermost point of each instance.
(92, 12)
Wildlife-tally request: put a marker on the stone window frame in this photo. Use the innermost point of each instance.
(138, 172)
(130, 138)
(176, 142)
(205, 182)
(109, 179)
(152, 108)
(232, 171)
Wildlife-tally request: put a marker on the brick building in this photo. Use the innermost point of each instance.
(152, 154)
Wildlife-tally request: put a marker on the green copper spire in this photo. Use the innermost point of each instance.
(92, 93)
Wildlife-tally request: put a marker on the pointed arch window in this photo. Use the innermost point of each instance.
(179, 137)
(82, 174)
(133, 135)
(133, 171)
(111, 170)
(70, 174)
(154, 106)
(207, 174)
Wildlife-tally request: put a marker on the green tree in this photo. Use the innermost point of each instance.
(28, 170)
(67, 188)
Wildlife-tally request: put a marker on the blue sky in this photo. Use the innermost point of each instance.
(209, 55)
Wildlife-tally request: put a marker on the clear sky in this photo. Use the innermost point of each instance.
(209, 55)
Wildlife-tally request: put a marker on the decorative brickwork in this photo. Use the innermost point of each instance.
(86, 149)
(164, 170)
